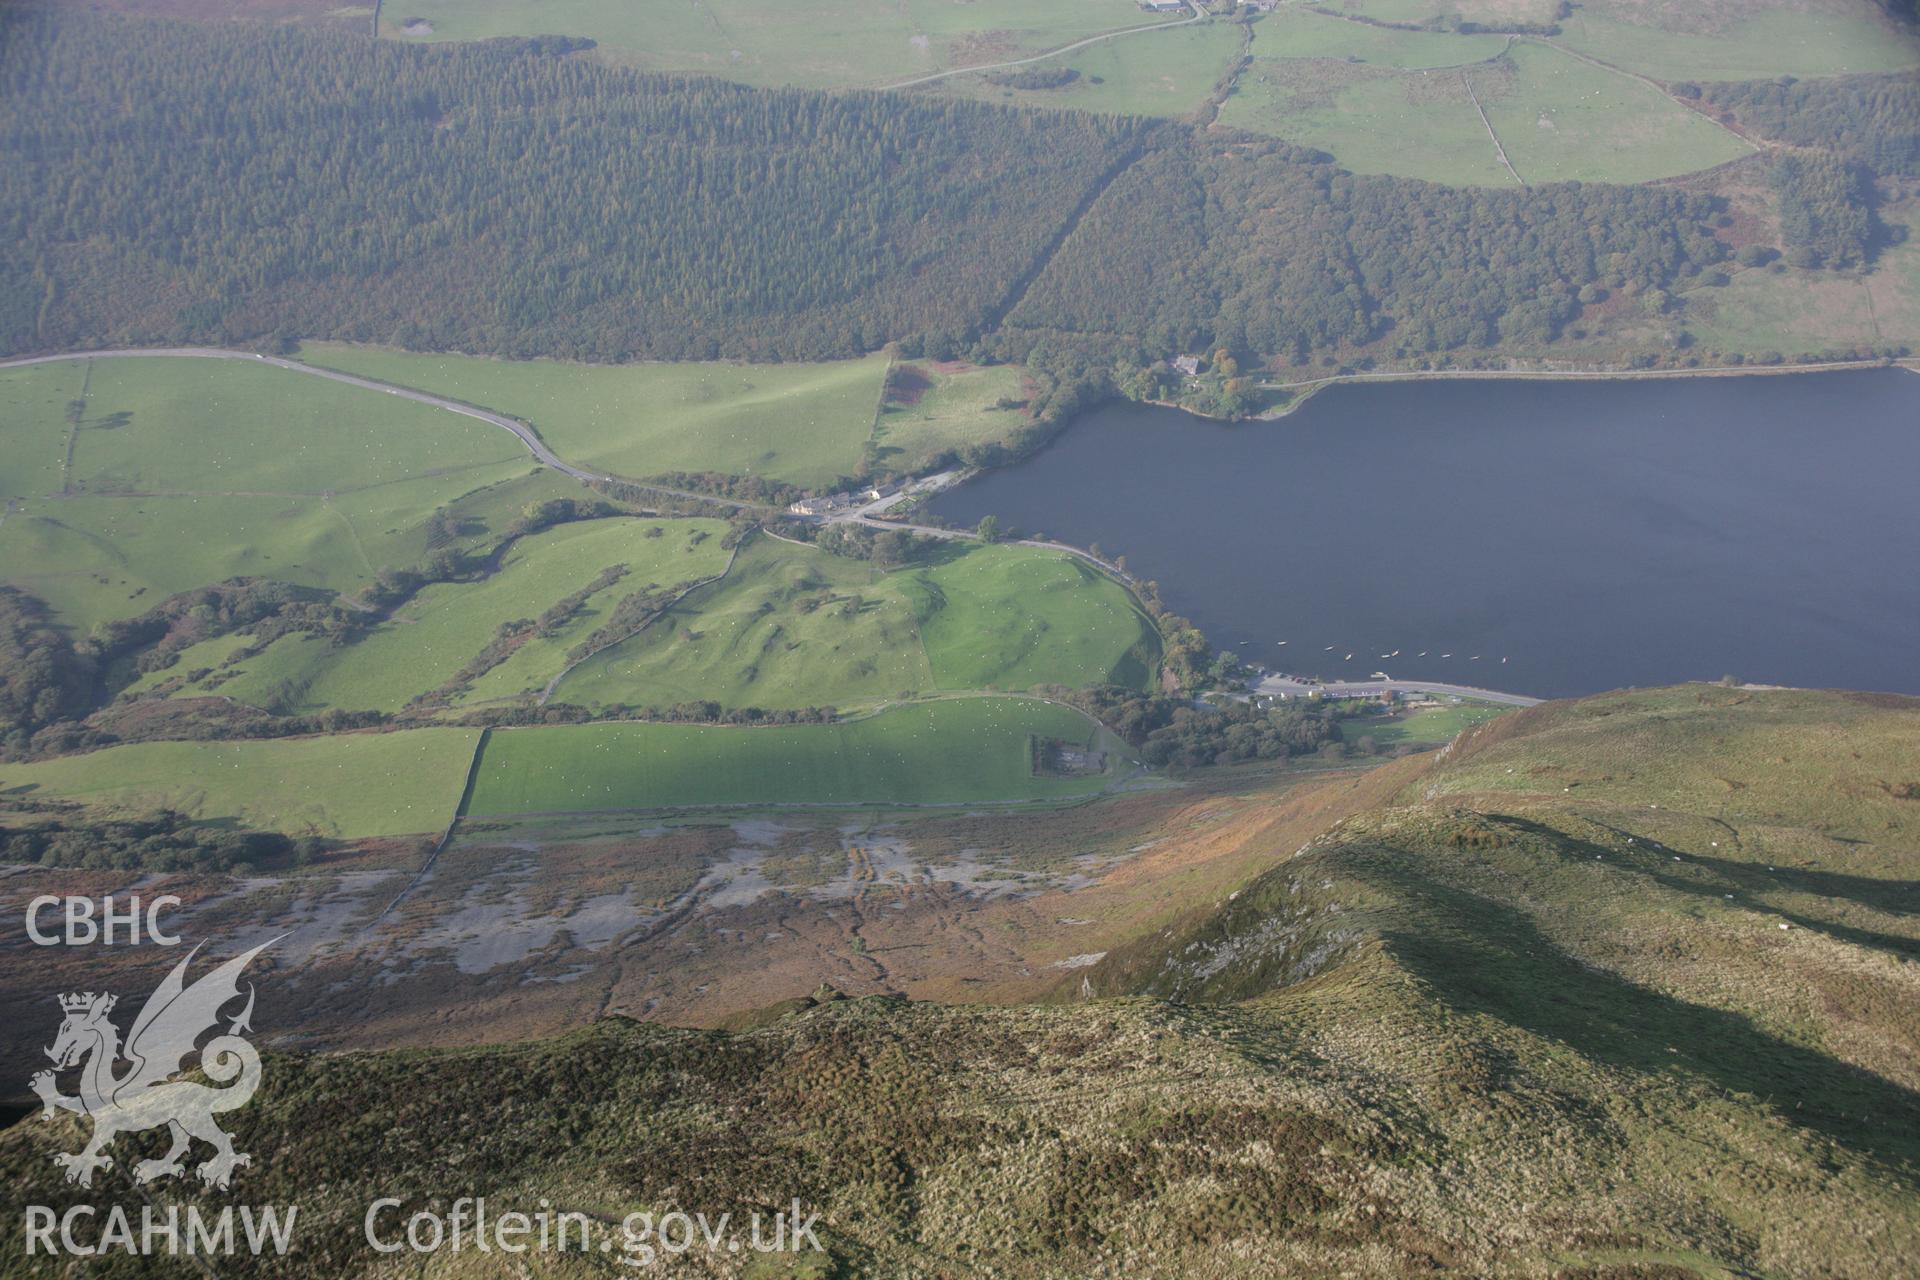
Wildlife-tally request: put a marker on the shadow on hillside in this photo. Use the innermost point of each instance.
(1484, 956)
(1749, 883)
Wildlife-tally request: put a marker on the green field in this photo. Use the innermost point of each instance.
(1564, 120)
(1698, 40)
(1732, 42)
(1301, 33)
(1417, 125)
(959, 751)
(791, 626)
(1666, 939)
(350, 786)
(1492, 13)
(802, 423)
(788, 627)
(1761, 311)
(1428, 727)
(1765, 310)
(444, 626)
(1168, 73)
(206, 428)
(189, 471)
(950, 407)
(199, 426)
(204, 655)
(1015, 617)
(1397, 102)
(35, 425)
(821, 44)
(98, 558)
(673, 558)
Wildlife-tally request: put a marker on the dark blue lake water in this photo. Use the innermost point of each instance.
(1592, 535)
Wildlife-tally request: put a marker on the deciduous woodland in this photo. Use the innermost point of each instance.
(1871, 119)
(180, 183)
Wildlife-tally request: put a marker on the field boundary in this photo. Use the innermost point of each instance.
(546, 694)
(880, 405)
(1116, 778)
(1466, 78)
(73, 432)
(446, 836)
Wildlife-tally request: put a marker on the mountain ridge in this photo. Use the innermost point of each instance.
(1574, 998)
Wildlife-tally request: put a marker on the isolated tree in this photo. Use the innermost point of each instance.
(988, 529)
(892, 548)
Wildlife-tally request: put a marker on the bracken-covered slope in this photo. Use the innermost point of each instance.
(1617, 988)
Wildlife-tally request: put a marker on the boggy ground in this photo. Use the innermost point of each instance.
(532, 926)
(1619, 988)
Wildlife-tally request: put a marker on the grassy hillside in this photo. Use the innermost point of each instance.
(1696, 893)
(1531, 1013)
(184, 472)
(447, 625)
(350, 785)
(951, 752)
(802, 423)
(1386, 100)
(186, 425)
(1168, 73)
(1738, 40)
(933, 408)
(791, 626)
(1016, 617)
(1564, 120)
(828, 45)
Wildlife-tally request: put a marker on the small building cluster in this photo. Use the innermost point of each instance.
(836, 503)
(1164, 6)
(829, 504)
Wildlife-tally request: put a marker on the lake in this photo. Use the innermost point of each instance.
(1594, 535)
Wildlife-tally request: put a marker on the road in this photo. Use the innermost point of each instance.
(1591, 375)
(968, 535)
(525, 433)
(868, 515)
(1199, 15)
(1277, 685)
(925, 485)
